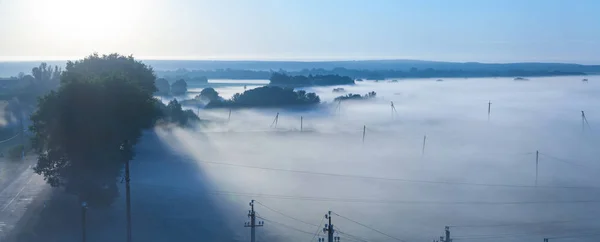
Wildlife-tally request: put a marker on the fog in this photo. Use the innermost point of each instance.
(473, 171)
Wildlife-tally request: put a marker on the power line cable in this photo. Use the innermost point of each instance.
(520, 224)
(358, 200)
(354, 237)
(395, 179)
(366, 226)
(285, 226)
(318, 230)
(285, 215)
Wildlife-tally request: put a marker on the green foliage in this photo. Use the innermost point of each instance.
(15, 152)
(173, 113)
(85, 131)
(209, 94)
(268, 96)
(163, 86)
(351, 96)
(179, 87)
(310, 80)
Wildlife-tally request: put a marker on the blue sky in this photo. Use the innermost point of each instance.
(458, 30)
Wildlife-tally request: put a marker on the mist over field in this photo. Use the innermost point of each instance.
(475, 174)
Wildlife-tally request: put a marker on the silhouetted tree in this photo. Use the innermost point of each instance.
(85, 131)
(179, 87)
(268, 96)
(163, 86)
(209, 94)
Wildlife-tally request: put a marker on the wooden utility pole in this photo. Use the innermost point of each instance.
(83, 220)
(364, 132)
(229, 117)
(537, 161)
(125, 149)
(274, 124)
(489, 109)
(252, 224)
(301, 119)
(424, 140)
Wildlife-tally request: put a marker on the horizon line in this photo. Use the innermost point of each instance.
(306, 60)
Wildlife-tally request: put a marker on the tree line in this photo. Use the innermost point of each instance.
(371, 74)
(87, 122)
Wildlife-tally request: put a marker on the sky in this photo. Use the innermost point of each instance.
(460, 30)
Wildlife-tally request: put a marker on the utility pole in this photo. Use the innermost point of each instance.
(329, 230)
(489, 109)
(124, 151)
(447, 237)
(424, 140)
(364, 132)
(83, 211)
(537, 161)
(229, 117)
(252, 224)
(301, 120)
(582, 121)
(275, 121)
(21, 131)
(394, 112)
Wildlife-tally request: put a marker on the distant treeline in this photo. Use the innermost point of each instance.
(362, 74)
(267, 96)
(281, 79)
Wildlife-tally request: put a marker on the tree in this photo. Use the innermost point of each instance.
(175, 114)
(86, 130)
(268, 96)
(163, 86)
(209, 94)
(179, 87)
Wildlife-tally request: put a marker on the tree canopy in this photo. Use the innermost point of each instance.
(163, 87)
(351, 96)
(86, 130)
(268, 96)
(282, 79)
(209, 94)
(179, 87)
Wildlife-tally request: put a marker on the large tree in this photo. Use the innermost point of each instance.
(86, 130)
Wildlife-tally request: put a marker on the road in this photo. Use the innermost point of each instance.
(18, 189)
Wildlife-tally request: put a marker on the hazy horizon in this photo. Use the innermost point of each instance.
(467, 30)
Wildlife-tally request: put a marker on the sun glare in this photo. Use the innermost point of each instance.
(89, 22)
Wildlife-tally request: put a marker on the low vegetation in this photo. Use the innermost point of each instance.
(268, 96)
(351, 96)
(281, 79)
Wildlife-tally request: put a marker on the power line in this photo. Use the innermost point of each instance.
(394, 179)
(285, 215)
(366, 226)
(318, 230)
(520, 224)
(359, 200)
(563, 160)
(285, 226)
(353, 237)
(574, 236)
(495, 236)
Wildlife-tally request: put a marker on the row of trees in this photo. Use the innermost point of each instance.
(179, 87)
(350, 96)
(85, 130)
(267, 96)
(376, 74)
(282, 79)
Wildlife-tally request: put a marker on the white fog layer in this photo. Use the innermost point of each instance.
(475, 173)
